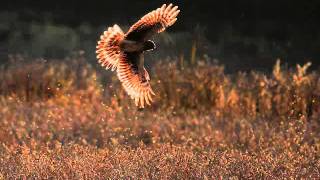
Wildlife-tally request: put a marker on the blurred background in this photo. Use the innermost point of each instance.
(237, 87)
(239, 34)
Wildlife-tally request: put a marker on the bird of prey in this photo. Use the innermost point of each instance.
(124, 52)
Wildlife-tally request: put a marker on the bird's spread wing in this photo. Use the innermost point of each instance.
(154, 22)
(108, 49)
(134, 78)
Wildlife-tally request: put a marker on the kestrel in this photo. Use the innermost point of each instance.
(124, 52)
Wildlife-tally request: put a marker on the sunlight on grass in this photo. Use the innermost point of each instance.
(66, 119)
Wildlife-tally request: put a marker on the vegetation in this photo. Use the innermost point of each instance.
(70, 120)
(41, 35)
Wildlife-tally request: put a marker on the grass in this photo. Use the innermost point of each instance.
(65, 119)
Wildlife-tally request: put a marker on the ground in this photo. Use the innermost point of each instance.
(66, 119)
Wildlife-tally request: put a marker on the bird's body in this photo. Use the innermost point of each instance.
(136, 46)
(124, 52)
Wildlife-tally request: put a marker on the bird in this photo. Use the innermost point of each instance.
(124, 52)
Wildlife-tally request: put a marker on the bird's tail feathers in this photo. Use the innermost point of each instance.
(108, 47)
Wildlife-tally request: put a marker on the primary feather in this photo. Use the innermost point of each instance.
(108, 49)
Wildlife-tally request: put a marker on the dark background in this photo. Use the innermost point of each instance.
(241, 34)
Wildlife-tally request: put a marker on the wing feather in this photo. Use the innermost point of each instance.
(154, 22)
(135, 79)
(108, 49)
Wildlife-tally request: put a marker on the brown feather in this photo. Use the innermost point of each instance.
(154, 22)
(134, 79)
(108, 50)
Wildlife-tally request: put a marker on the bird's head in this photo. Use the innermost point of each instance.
(149, 45)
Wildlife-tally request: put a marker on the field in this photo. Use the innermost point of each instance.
(69, 119)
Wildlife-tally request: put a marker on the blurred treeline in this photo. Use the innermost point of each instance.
(240, 35)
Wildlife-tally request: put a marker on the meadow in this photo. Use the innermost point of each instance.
(69, 119)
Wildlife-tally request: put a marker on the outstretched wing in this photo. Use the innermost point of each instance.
(108, 49)
(134, 78)
(154, 22)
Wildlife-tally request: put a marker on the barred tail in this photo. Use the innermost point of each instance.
(108, 49)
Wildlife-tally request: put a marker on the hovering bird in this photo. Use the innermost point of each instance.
(124, 52)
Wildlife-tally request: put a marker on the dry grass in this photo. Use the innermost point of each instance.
(67, 120)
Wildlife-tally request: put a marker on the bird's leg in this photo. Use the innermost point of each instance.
(141, 63)
(141, 68)
(131, 46)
